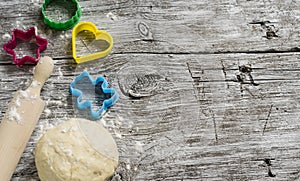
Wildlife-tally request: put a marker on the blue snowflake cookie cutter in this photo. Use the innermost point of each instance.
(87, 104)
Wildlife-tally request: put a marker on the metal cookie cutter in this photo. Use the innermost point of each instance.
(65, 25)
(99, 35)
(107, 97)
(25, 35)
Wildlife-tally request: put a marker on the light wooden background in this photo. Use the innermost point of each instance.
(209, 90)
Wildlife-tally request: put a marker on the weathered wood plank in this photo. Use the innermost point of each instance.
(252, 123)
(186, 116)
(172, 26)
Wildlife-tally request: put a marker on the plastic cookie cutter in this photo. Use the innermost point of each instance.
(25, 35)
(104, 96)
(99, 35)
(64, 25)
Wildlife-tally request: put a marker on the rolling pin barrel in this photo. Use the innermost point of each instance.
(20, 119)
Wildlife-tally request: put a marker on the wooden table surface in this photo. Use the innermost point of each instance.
(209, 90)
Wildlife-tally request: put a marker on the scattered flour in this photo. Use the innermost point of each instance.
(44, 126)
(18, 103)
(64, 130)
(111, 16)
(41, 127)
(35, 83)
(68, 152)
(53, 102)
(64, 35)
(49, 143)
(33, 96)
(74, 128)
(35, 2)
(47, 112)
(118, 135)
(103, 122)
(6, 36)
(18, 24)
(128, 167)
(13, 115)
(118, 121)
(139, 146)
(24, 94)
(60, 74)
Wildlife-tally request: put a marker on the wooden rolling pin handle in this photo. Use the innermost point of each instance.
(43, 69)
(42, 72)
(20, 119)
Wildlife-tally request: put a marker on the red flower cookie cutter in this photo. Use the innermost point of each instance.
(25, 35)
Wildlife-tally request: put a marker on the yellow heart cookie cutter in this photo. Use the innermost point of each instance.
(99, 34)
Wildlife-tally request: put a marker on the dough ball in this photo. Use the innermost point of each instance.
(78, 149)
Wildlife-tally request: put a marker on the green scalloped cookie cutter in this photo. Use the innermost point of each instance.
(61, 8)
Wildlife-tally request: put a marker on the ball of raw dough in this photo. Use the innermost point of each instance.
(78, 149)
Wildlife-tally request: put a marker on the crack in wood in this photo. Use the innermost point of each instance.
(225, 73)
(266, 51)
(189, 69)
(267, 161)
(268, 117)
(215, 127)
(270, 174)
(223, 69)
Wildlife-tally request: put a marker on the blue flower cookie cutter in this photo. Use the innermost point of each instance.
(107, 102)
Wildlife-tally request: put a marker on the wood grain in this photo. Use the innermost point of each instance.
(209, 90)
(174, 26)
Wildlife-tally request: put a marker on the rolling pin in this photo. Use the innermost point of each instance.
(20, 119)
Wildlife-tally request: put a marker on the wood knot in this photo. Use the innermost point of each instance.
(137, 82)
(268, 27)
(245, 68)
(144, 31)
(245, 74)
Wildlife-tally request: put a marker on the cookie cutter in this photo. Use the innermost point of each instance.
(99, 34)
(68, 24)
(107, 102)
(25, 35)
